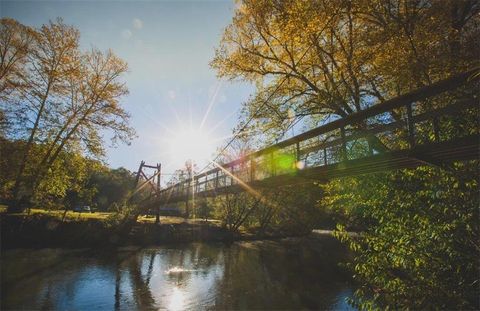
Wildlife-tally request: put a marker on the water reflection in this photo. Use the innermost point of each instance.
(255, 275)
(178, 270)
(176, 300)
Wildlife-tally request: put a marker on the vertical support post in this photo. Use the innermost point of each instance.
(159, 170)
(194, 191)
(216, 179)
(325, 156)
(137, 178)
(186, 191)
(157, 212)
(344, 144)
(187, 194)
(411, 128)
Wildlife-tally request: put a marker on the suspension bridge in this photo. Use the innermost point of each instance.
(433, 125)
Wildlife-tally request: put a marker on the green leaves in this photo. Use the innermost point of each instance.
(65, 99)
(418, 248)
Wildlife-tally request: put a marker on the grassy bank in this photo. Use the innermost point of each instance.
(77, 216)
(40, 228)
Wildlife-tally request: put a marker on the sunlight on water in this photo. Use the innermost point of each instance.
(178, 270)
(177, 300)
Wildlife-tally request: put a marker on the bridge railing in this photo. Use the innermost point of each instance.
(426, 115)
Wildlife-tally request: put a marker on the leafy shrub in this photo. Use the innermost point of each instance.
(419, 246)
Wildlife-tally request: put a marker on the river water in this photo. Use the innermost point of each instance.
(287, 274)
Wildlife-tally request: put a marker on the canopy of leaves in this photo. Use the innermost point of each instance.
(57, 98)
(315, 59)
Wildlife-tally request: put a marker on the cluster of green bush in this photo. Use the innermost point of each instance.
(419, 246)
(281, 211)
(74, 180)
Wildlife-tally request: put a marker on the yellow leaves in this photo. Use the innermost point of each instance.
(336, 56)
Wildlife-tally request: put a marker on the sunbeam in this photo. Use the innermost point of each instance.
(219, 123)
(218, 139)
(245, 186)
(210, 104)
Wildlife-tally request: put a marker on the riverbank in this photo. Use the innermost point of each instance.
(49, 231)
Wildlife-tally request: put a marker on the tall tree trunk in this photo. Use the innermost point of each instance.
(16, 204)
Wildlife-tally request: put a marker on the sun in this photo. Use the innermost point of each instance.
(190, 144)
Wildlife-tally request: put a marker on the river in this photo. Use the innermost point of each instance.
(287, 274)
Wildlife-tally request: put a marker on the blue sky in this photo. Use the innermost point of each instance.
(168, 46)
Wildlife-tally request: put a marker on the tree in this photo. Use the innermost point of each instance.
(318, 59)
(235, 209)
(93, 107)
(419, 243)
(112, 186)
(69, 174)
(9, 158)
(204, 209)
(315, 60)
(294, 210)
(15, 44)
(64, 99)
(67, 180)
(48, 62)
